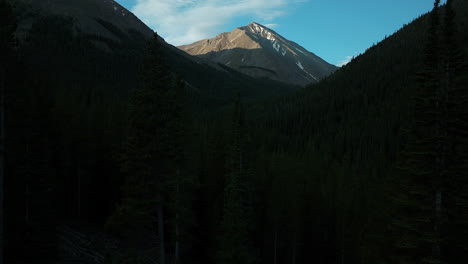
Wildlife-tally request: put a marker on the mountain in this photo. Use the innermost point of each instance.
(120, 35)
(352, 128)
(317, 165)
(79, 65)
(261, 52)
(88, 13)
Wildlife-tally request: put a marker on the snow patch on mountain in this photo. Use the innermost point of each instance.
(259, 46)
(276, 46)
(299, 64)
(270, 36)
(263, 32)
(300, 51)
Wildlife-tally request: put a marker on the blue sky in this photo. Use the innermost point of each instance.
(335, 30)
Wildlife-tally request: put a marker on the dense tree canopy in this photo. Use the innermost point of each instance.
(108, 139)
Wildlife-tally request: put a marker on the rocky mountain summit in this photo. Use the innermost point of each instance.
(259, 51)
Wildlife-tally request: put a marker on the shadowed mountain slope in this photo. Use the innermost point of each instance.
(261, 52)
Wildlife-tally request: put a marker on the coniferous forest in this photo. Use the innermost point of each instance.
(118, 150)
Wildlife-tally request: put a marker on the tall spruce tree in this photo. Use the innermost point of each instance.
(148, 151)
(418, 223)
(455, 83)
(182, 183)
(236, 243)
(434, 161)
(7, 30)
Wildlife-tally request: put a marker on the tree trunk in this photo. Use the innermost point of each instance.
(176, 253)
(438, 211)
(293, 260)
(177, 232)
(2, 156)
(162, 256)
(275, 246)
(342, 242)
(27, 199)
(79, 194)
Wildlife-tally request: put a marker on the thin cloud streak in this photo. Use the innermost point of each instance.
(185, 21)
(272, 26)
(342, 63)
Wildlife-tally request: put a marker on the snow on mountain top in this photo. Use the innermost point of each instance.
(256, 50)
(257, 28)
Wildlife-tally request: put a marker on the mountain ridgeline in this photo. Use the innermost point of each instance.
(89, 13)
(120, 148)
(261, 52)
(116, 33)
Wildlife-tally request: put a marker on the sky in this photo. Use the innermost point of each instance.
(335, 30)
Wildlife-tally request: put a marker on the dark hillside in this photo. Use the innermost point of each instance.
(118, 43)
(67, 116)
(350, 129)
(121, 149)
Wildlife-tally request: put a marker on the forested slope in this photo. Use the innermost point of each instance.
(349, 131)
(67, 96)
(210, 169)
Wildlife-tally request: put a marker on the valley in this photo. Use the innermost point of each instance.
(243, 148)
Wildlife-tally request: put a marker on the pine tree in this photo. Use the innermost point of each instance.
(418, 224)
(182, 183)
(236, 245)
(30, 162)
(7, 30)
(147, 156)
(434, 162)
(455, 84)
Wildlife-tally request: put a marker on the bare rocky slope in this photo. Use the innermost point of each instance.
(261, 52)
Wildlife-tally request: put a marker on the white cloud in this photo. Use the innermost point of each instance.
(185, 21)
(342, 63)
(272, 26)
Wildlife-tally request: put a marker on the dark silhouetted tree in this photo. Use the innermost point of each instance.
(7, 30)
(455, 87)
(236, 243)
(147, 153)
(434, 161)
(422, 162)
(181, 185)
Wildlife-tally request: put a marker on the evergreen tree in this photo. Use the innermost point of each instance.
(31, 153)
(455, 75)
(182, 184)
(417, 225)
(7, 30)
(147, 156)
(236, 243)
(434, 162)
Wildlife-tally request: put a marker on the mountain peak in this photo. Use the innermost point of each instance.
(259, 29)
(259, 51)
(256, 25)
